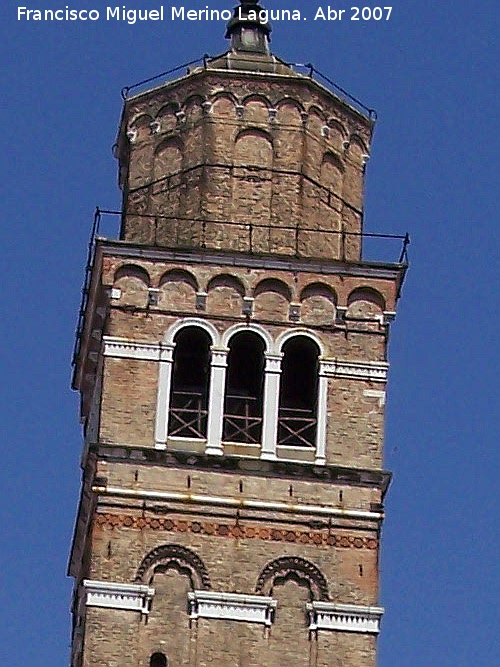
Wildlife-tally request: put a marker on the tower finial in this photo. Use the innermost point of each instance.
(249, 29)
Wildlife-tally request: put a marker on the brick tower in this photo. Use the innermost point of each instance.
(231, 362)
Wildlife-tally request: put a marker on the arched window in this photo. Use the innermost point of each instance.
(158, 660)
(190, 380)
(244, 389)
(297, 417)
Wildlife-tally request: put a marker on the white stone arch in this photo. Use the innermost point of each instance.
(322, 396)
(172, 331)
(255, 328)
(165, 372)
(293, 333)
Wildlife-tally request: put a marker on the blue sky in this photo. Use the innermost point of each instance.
(431, 72)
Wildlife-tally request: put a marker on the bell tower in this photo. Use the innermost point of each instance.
(231, 363)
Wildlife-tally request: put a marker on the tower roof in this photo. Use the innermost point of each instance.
(246, 30)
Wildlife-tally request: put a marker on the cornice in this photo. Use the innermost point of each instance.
(231, 606)
(328, 474)
(374, 270)
(344, 617)
(113, 595)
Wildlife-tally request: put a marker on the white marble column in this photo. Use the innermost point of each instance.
(163, 400)
(271, 406)
(218, 365)
(321, 416)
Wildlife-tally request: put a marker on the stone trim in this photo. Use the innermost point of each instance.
(281, 469)
(344, 617)
(122, 348)
(231, 607)
(374, 371)
(112, 595)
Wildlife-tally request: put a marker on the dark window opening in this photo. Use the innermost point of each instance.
(297, 417)
(244, 389)
(190, 380)
(158, 660)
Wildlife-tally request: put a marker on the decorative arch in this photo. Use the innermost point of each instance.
(272, 300)
(237, 328)
(225, 295)
(318, 304)
(191, 322)
(255, 97)
(273, 285)
(298, 568)
(316, 112)
(167, 116)
(224, 95)
(287, 335)
(226, 280)
(357, 145)
(332, 172)
(368, 294)
(335, 125)
(319, 289)
(224, 104)
(179, 557)
(132, 271)
(178, 276)
(141, 126)
(291, 101)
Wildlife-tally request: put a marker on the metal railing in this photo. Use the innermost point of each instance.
(205, 61)
(297, 427)
(208, 228)
(188, 414)
(242, 419)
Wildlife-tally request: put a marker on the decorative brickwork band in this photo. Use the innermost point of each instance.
(174, 555)
(321, 539)
(231, 607)
(344, 617)
(297, 567)
(130, 597)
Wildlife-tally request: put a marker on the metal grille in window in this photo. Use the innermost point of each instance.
(188, 414)
(296, 427)
(242, 419)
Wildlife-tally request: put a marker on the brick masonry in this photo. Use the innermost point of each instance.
(251, 167)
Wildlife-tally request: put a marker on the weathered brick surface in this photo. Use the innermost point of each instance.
(251, 166)
(277, 152)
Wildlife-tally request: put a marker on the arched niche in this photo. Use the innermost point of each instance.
(167, 117)
(289, 112)
(365, 303)
(256, 109)
(172, 571)
(332, 173)
(272, 299)
(178, 290)
(318, 302)
(225, 295)
(253, 147)
(168, 158)
(252, 185)
(133, 282)
(223, 104)
(304, 572)
(174, 556)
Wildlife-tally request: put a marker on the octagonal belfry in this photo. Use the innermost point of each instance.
(243, 153)
(231, 361)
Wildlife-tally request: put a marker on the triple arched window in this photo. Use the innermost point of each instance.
(243, 389)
